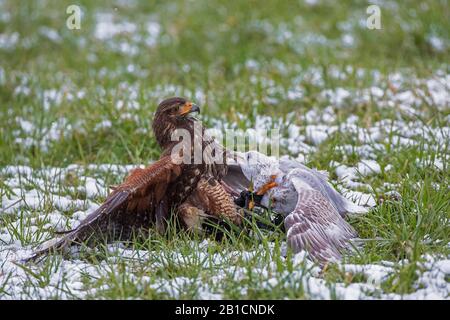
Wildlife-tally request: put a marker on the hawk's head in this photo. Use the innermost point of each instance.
(171, 114)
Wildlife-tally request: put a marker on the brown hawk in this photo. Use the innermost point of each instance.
(148, 196)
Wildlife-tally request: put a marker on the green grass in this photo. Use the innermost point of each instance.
(235, 57)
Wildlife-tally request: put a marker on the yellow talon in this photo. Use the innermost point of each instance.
(267, 186)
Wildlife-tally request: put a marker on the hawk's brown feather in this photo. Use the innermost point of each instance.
(130, 207)
(147, 195)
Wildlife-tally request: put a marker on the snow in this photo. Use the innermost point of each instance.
(27, 126)
(437, 43)
(103, 125)
(375, 274)
(154, 31)
(51, 34)
(368, 167)
(337, 97)
(8, 41)
(319, 133)
(107, 28)
(348, 40)
(350, 177)
(358, 197)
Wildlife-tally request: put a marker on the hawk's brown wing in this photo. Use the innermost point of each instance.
(316, 226)
(131, 206)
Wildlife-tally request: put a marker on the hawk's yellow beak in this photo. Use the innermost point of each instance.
(189, 107)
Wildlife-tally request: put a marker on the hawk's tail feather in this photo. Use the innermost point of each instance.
(94, 224)
(61, 245)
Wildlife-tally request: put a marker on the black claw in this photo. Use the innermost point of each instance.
(244, 200)
(246, 197)
(241, 200)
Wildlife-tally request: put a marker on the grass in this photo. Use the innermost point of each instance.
(91, 101)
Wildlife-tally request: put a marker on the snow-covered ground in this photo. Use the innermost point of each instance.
(46, 101)
(28, 192)
(32, 190)
(65, 280)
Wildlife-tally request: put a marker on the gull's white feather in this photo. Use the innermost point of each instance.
(314, 210)
(259, 168)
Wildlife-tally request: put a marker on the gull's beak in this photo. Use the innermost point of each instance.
(189, 107)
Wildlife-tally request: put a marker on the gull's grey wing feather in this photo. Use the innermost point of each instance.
(286, 165)
(319, 181)
(316, 227)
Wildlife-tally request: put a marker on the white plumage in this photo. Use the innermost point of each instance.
(314, 210)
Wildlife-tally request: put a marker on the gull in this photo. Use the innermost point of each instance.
(314, 211)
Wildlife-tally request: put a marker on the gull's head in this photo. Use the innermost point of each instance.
(257, 167)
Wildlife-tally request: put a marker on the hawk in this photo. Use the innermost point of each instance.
(314, 211)
(147, 196)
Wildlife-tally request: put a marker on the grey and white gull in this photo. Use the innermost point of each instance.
(314, 211)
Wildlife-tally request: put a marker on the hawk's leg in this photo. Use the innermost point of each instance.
(191, 216)
(248, 200)
(208, 201)
(162, 215)
(216, 201)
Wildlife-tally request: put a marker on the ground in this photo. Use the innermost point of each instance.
(371, 107)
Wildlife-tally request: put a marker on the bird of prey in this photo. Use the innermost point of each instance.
(148, 196)
(313, 209)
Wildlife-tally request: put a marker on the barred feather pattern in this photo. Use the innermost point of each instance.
(209, 200)
(220, 203)
(316, 227)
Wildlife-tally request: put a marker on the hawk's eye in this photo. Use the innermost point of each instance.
(176, 109)
(173, 109)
